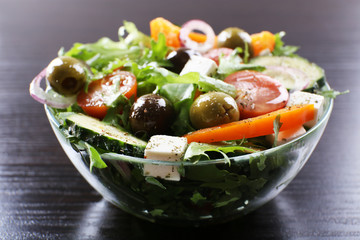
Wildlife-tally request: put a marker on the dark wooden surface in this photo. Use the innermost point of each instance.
(43, 197)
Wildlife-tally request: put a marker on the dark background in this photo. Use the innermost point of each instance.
(43, 197)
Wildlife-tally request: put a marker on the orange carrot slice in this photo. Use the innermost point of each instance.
(254, 127)
(261, 41)
(171, 31)
(197, 37)
(200, 38)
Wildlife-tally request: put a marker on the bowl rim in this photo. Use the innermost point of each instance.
(111, 156)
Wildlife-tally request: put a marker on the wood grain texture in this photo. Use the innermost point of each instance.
(43, 197)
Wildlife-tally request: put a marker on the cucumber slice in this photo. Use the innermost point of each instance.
(310, 71)
(291, 78)
(104, 136)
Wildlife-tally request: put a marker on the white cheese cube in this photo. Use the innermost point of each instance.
(204, 66)
(164, 148)
(286, 135)
(299, 97)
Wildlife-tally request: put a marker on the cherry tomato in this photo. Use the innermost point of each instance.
(93, 101)
(257, 93)
(215, 53)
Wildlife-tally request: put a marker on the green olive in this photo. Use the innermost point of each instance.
(66, 75)
(234, 37)
(212, 109)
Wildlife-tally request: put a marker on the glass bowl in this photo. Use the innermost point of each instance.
(209, 192)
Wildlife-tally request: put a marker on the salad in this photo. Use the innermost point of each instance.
(183, 94)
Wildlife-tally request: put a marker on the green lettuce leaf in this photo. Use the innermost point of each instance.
(281, 49)
(205, 83)
(100, 54)
(234, 63)
(158, 52)
(181, 95)
(130, 35)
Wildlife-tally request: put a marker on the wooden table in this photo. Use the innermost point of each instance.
(42, 196)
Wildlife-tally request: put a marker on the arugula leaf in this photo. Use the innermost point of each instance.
(197, 197)
(95, 158)
(277, 125)
(261, 164)
(118, 113)
(156, 212)
(196, 150)
(158, 51)
(155, 182)
(225, 201)
(330, 93)
(281, 49)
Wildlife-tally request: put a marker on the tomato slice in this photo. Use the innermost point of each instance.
(257, 93)
(93, 101)
(215, 53)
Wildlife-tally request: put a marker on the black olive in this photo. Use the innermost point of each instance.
(178, 59)
(212, 109)
(151, 114)
(66, 75)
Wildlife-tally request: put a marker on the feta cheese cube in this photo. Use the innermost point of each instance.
(204, 66)
(286, 135)
(164, 148)
(299, 97)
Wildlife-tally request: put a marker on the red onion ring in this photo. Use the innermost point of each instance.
(199, 25)
(51, 98)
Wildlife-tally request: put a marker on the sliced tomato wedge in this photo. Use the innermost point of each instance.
(257, 93)
(215, 53)
(93, 102)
